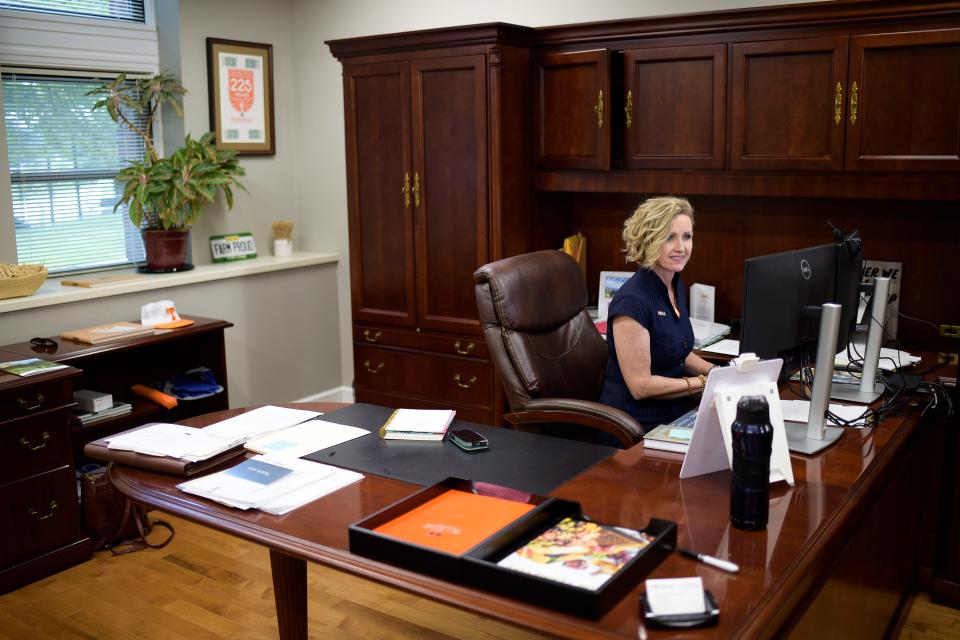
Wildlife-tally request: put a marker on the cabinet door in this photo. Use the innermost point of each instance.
(907, 112)
(450, 180)
(379, 192)
(573, 110)
(787, 104)
(675, 107)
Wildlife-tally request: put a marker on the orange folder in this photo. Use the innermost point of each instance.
(454, 521)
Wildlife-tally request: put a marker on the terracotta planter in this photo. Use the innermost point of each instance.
(166, 250)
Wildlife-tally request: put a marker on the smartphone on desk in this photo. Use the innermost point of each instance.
(468, 440)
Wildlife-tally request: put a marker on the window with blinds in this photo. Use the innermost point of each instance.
(63, 159)
(128, 10)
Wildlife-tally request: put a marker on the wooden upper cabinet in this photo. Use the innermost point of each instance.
(450, 173)
(573, 110)
(379, 188)
(787, 107)
(907, 113)
(674, 111)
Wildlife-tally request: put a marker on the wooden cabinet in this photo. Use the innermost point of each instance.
(675, 107)
(904, 102)
(573, 110)
(40, 530)
(438, 184)
(799, 105)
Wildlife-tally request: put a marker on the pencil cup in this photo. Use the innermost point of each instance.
(283, 247)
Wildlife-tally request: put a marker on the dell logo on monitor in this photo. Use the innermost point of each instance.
(805, 269)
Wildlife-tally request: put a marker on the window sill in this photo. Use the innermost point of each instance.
(52, 292)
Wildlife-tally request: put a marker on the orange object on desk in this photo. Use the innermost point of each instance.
(163, 399)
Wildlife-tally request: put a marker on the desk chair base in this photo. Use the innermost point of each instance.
(798, 442)
(853, 393)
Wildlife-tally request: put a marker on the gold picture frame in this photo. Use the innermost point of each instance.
(240, 81)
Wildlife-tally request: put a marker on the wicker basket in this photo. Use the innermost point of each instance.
(24, 284)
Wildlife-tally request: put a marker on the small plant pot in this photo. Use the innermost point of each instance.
(166, 250)
(283, 247)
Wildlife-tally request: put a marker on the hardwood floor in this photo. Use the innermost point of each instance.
(206, 584)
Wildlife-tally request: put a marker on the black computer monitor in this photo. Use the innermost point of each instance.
(782, 296)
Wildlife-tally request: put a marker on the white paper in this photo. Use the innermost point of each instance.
(799, 411)
(671, 596)
(304, 438)
(726, 347)
(420, 420)
(890, 359)
(260, 421)
(173, 440)
(701, 301)
(705, 333)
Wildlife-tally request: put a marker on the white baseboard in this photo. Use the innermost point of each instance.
(338, 394)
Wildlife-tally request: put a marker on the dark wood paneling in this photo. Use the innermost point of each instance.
(450, 158)
(784, 94)
(908, 112)
(379, 185)
(573, 110)
(676, 105)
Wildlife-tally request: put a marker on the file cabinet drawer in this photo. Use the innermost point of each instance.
(454, 380)
(451, 345)
(40, 515)
(29, 446)
(28, 400)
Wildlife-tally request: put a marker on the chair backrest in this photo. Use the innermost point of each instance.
(533, 308)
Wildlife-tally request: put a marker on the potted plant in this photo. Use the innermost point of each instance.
(166, 195)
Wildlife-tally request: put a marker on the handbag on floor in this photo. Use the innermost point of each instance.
(114, 521)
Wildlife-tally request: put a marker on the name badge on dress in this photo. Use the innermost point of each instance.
(661, 313)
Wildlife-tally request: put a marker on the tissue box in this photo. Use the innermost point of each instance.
(93, 401)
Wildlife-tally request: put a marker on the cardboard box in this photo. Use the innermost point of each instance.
(93, 401)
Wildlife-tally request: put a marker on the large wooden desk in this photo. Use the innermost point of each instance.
(837, 556)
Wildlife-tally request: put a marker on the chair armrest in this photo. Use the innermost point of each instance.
(600, 416)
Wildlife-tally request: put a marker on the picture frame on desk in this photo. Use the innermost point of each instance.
(240, 82)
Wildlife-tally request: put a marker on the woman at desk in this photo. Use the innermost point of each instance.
(652, 373)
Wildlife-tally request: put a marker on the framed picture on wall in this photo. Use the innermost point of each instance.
(240, 78)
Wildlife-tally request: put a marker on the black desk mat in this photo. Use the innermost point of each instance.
(525, 461)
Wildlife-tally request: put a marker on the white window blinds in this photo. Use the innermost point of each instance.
(129, 10)
(63, 159)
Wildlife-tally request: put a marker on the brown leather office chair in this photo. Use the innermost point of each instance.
(548, 354)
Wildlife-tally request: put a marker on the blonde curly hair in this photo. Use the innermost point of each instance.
(647, 229)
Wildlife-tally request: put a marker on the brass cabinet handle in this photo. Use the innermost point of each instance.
(26, 443)
(38, 402)
(405, 189)
(628, 109)
(465, 351)
(416, 189)
(373, 338)
(598, 109)
(36, 514)
(465, 385)
(853, 103)
(374, 371)
(838, 104)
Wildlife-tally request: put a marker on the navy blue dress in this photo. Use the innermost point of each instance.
(644, 298)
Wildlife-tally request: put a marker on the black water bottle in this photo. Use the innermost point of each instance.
(752, 442)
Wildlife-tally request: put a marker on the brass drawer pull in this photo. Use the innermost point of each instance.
(465, 385)
(373, 338)
(853, 103)
(628, 109)
(406, 190)
(36, 514)
(465, 351)
(838, 104)
(598, 109)
(26, 406)
(374, 371)
(26, 443)
(416, 189)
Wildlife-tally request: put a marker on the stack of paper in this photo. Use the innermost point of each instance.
(173, 441)
(304, 438)
(260, 421)
(890, 359)
(118, 409)
(417, 424)
(706, 333)
(270, 484)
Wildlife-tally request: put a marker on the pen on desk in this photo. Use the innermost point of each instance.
(710, 560)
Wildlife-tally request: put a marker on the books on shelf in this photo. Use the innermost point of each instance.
(107, 332)
(270, 484)
(706, 333)
(578, 552)
(417, 424)
(674, 436)
(116, 409)
(454, 521)
(30, 366)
